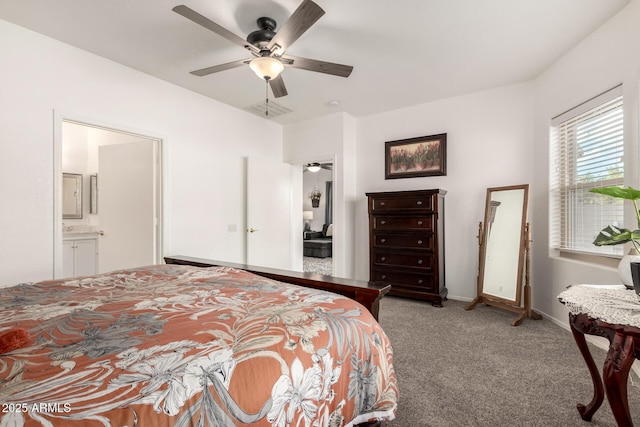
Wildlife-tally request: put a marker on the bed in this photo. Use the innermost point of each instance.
(181, 345)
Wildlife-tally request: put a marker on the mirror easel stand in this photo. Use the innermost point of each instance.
(527, 311)
(477, 300)
(524, 312)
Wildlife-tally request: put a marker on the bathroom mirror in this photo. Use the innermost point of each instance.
(503, 257)
(71, 196)
(93, 193)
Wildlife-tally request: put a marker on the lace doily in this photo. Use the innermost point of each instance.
(612, 304)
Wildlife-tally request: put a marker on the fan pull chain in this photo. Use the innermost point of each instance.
(266, 113)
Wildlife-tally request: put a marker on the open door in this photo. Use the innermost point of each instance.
(127, 198)
(269, 212)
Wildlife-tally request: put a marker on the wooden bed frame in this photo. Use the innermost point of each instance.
(366, 293)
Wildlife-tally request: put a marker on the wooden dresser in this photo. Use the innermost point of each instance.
(406, 243)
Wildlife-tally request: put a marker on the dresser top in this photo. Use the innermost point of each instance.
(407, 192)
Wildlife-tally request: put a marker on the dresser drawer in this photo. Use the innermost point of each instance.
(420, 281)
(403, 240)
(424, 260)
(388, 222)
(385, 204)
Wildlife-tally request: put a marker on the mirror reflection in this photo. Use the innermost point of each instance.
(71, 196)
(505, 218)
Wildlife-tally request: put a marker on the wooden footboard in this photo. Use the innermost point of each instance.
(366, 293)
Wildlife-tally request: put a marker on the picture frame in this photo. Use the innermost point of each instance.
(416, 157)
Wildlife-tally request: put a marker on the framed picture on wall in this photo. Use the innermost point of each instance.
(416, 157)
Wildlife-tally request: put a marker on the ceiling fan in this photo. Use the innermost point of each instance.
(268, 46)
(315, 167)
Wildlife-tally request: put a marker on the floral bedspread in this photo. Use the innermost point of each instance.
(172, 345)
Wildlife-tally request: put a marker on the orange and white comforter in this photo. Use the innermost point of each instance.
(172, 345)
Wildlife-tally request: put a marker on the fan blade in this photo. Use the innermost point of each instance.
(277, 86)
(302, 19)
(318, 66)
(221, 67)
(194, 16)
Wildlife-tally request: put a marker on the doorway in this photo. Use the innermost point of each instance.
(317, 211)
(122, 198)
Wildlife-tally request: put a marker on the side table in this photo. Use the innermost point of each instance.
(612, 312)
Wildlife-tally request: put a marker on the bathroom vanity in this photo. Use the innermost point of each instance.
(79, 251)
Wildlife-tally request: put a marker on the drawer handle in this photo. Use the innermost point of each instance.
(384, 276)
(381, 203)
(419, 242)
(419, 202)
(419, 281)
(383, 222)
(383, 240)
(419, 262)
(384, 258)
(419, 222)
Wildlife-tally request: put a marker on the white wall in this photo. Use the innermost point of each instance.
(489, 144)
(608, 57)
(204, 145)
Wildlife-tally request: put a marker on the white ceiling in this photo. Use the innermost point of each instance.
(408, 53)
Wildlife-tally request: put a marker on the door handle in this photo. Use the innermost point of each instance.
(252, 230)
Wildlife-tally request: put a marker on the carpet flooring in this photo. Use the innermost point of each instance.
(472, 368)
(318, 265)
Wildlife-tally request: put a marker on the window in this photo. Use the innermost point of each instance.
(587, 150)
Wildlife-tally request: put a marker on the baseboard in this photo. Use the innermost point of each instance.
(457, 298)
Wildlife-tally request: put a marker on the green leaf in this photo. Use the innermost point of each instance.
(612, 235)
(618, 192)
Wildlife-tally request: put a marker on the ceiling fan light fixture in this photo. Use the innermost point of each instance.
(266, 67)
(313, 167)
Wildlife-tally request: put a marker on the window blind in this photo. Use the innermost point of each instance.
(587, 151)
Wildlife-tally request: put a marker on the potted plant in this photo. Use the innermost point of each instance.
(315, 198)
(612, 235)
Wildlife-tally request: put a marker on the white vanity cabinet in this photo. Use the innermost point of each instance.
(80, 255)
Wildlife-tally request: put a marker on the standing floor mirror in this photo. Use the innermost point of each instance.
(504, 258)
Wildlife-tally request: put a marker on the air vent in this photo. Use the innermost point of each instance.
(275, 110)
